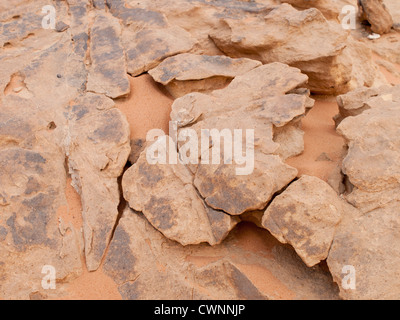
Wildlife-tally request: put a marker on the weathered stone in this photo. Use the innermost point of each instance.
(365, 239)
(186, 73)
(146, 265)
(288, 36)
(166, 196)
(372, 163)
(97, 146)
(107, 72)
(149, 47)
(364, 253)
(330, 9)
(305, 215)
(377, 15)
(33, 179)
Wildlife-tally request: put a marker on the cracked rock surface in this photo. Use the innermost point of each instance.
(83, 194)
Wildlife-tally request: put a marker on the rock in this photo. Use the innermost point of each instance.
(329, 68)
(186, 73)
(366, 245)
(372, 160)
(266, 87)
(33, 180)
(129, 257)
(364, 241)
(377, 15)
(166, 196)
(330, 9)
(97, 145)
(136, 17)
(211, 192)
(149, 47)
(107, 73)
(146, 265)
(305, 215)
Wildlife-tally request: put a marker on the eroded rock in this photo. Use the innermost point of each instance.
(377, 15)
(329, 68)
(97, 145)
(305, 215)
(107, 72)
(186, 73)
(149, 47)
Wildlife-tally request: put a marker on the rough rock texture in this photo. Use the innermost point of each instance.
(108, 71)
(186, 73)
(168, 199)
(147, 48)
(377, 15)
(146, 265)
(97, 146)
(366, 239)
(328, 68)
(216, 189)
(33, 179)
(305, 215)
(330, 9)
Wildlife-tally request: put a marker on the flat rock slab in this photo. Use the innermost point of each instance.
(187, 73)
(377, 15)
(97, 145)
(305, 215)
(193, 201)
(107, 72)
(147, 48)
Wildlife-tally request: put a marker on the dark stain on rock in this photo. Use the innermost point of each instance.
(34, 230)
(111, 127)
(151, 174)
(3, 233)
(130, 290)
(245, 289)
(120, 261)
(33, 186)
(159, 213)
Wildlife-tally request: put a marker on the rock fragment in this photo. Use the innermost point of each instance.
(305, 215)
(186, 73)
(377, 15)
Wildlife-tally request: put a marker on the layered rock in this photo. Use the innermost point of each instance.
(329, 68)
(377, 15)
(365, 240)
(107, 73)
(186, 73)
(146, 265)
(305, 215)
(198, 181)
(97, 145)
(149, 47)
(33, 180)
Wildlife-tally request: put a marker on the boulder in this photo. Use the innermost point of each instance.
(377, 15)
(186, 73)
(305, 215)
(147, 48)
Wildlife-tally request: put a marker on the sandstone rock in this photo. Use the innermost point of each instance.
(107, 73)
(220, 185)
(367, 245)
(166, 196)
(136, 17)
(365, 239)
(377, 15)
(209, 193)
(187, 73)
(372, 161)
(330, 9)
(33, 180)
(146, 265)
(97, 145)
(329, 69)
(305, 215)
(149, 47)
